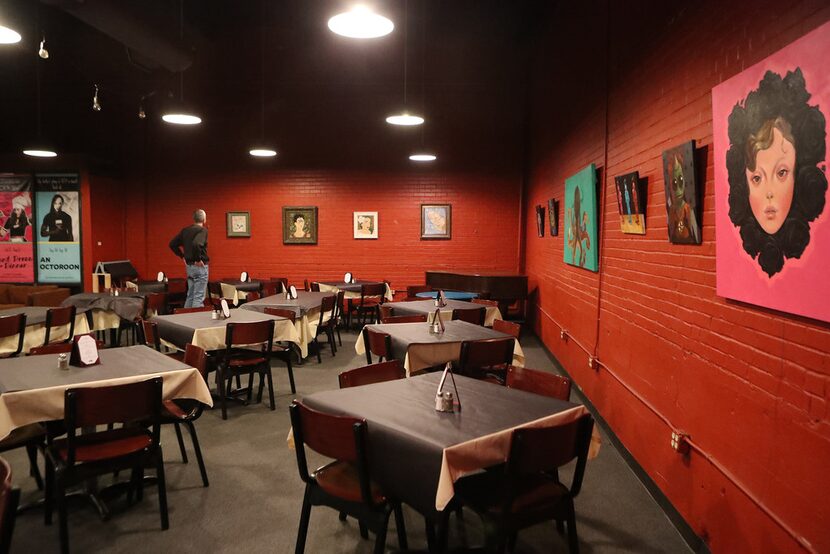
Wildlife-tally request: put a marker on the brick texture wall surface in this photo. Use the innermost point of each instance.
(750, 385)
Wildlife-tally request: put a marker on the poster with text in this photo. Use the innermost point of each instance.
(58, 225)
(16, 248)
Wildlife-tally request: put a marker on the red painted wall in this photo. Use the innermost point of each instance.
(749, 385)
(485, 222)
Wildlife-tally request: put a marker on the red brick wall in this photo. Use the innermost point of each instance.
(108, 210)
(485, 223)
(750, 385)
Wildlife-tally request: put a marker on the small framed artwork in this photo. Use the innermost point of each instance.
(239, 224)
(540, 220)
(299, 224)
(681, 194)
(553, 217)
(436, 221)
(365, 225)
(631, 201)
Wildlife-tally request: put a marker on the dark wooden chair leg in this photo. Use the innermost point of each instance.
(290, 373)
(162, 486)
(380, 537)
(181, 442)
(573, 540)
(220, 382)
(305, 515)
(364, 533)
(319, 357)
(197, 449)
(400, 525)
(270, 388)
(63, 526)
(34, 471)
(342, 516)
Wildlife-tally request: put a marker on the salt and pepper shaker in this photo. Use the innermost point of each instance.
(214, 314)
(447, 402)
(439, 402)
(63, 361)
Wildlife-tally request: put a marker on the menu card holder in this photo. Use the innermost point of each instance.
(448, 371)
(292, 293)
(84, 351)
(348, 278)
(441, 299)
(161, 277)
(437, 325)
(244, 277)
(226, 310)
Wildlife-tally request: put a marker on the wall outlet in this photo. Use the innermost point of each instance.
(592, 362)
(679, 443)
(563, 334)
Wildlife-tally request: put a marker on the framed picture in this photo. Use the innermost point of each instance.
(681, 194)
(436, 221)
(365, 225)
(631, 201)
(581, 219)
(299, 224)
(772, 230)
(239, 224)
(553, 217)
(540, 221)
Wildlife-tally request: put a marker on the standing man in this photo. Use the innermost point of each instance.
(191, 245)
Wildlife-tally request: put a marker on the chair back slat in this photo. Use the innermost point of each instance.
(507, 327)
(539, 382)
(257, 332)
(282, 312)
(378, 343)
(60, 316)
(192, 310)
(54, 348)
(89, 406)
(418, 318)
(327, 305)
(533, 450)
(475, 317)
(12, 325)
(195, 356)
(315, 286)
(151, 334)
(329, 435)
(375, 373)
(485, 353)
(338, 304)
(372, 290)
(386, 311)
(155, 302)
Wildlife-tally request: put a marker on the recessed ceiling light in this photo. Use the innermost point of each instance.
(8, 36)
(40, 153)
(262, 152)
(407, 119)
(178, 118)
(423, 157)
(361, 22)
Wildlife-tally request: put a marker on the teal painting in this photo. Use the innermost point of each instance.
(581, 219)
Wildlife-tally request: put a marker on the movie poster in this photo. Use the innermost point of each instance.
(16, 248)
(58, 221)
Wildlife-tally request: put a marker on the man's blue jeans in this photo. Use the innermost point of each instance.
(197, 279)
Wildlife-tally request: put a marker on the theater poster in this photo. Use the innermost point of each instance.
(58, 227)
(16, 220)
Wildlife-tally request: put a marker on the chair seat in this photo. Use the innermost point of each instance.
(341, 479)
(171, 410)
(244, 362)
(21, 436)
(106, 444)
(483, 493)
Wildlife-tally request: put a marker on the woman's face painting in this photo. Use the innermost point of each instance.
(771, 184)
(57, 204)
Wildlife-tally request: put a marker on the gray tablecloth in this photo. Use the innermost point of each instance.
(34, 314)
(350, 287)
(151, 286)
(38, 372)
(417, 307)
(407, 437)
(305, 302)
(245, 286)
(405, 334)
(127, 305)
(178, 329)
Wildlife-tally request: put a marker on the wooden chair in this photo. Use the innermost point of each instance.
(280, 283)
(283, 351)
(192, 310)
(58, 317)
(344, 484)
(486, 358)
(327, 306)
(9, 499)
(377, 343)
(475, 317)
(507, 327)
(485, 302)
(338, 317)
(239, 359)
(214, 292)
(418, 318)
(186, 411)
(387, 311)
(176, 293)
(528, 491)
(315, 286)
(155, 304)
(151, 338)
(10, 326)
(375, 373)
(78, 457)
(371, 298)
(54, 348)
(539, 382)
(306, 286)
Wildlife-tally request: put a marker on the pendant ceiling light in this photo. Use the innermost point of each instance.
(8, 36)
(361, 23)
(177, 112)
(423, 157)
(423, 154)
(405, 118)
(39, 148)
(261, 149)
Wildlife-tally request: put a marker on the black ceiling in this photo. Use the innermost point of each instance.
(326, 96)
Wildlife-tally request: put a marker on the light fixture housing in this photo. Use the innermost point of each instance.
(39, 151)
(261, 151)
(405, 119)
(9, 36)
(423, 157)
(179, 114)
(42, 52)
(361, 23)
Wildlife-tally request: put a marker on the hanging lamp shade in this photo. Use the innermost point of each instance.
(423, 157)
(40, 149)
(361, 23)
(262, 151)
(178, 113)
(405, 119)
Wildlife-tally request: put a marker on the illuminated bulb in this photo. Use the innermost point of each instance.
(96, 106)
(361, 23)
(43, 52)
(262, 152)
(8, 36)
(40, 153)
(141, 113)
(181, 119)
(423, 157)
(405, 118)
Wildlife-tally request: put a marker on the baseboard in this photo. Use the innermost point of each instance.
(677, 520)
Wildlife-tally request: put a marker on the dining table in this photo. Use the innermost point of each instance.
(32, 387)
(428, 307)
(422, 348)
(106, 310)
(202, 330)
(352, 289)
(35, 332)
(416, 454)
(449, 294)
(307, 307)
(234, 290)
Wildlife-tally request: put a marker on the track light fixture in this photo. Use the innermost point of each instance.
(42, 51)
(96, 105)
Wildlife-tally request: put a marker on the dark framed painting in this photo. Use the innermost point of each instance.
(239, 224)
(631, 201)
(680, 181)
(299, 224)
(436, 221)
(540, 221)
(553, 217)
(581, 212)
(772, 200)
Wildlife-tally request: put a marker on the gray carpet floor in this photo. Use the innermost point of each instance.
(253, 502)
